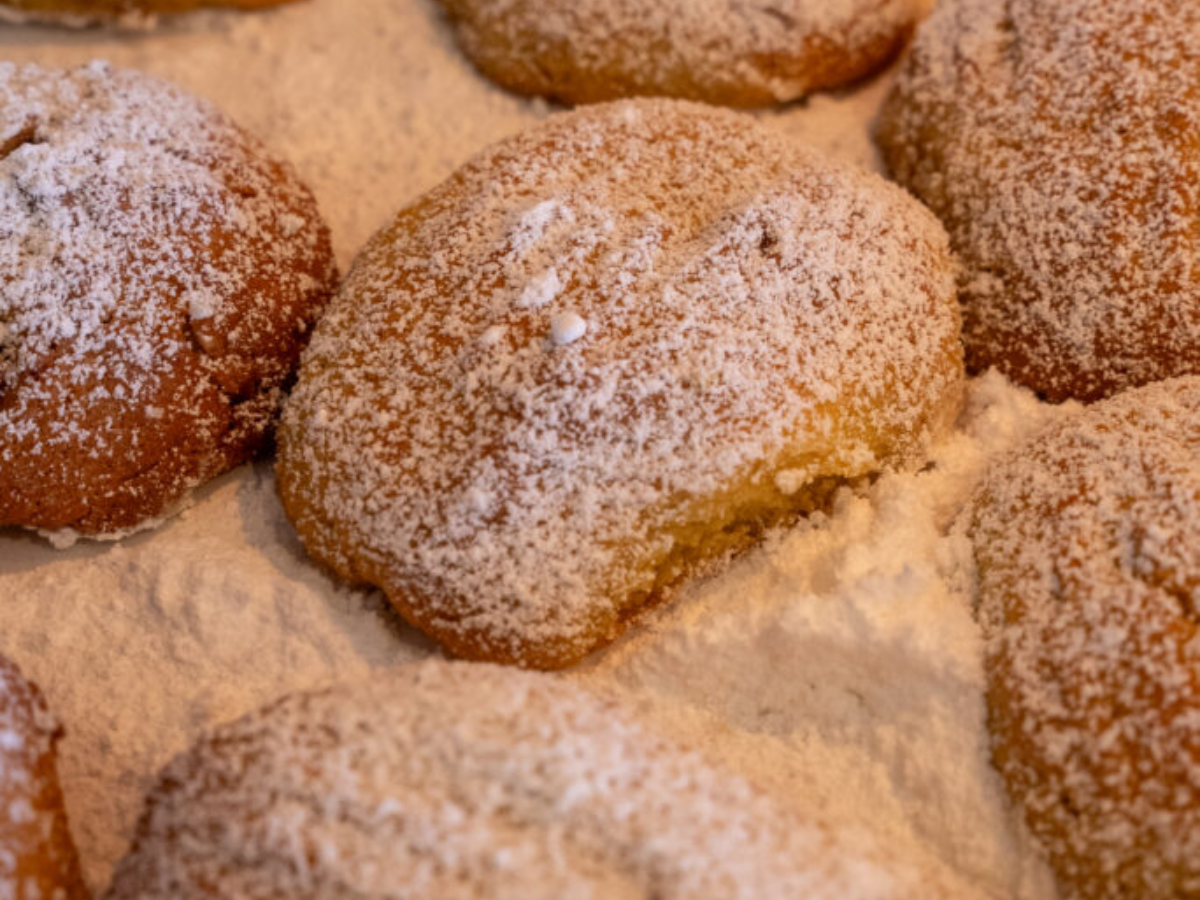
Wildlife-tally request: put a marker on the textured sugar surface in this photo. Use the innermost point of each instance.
(1089, 551)
(639, 303)
(26, 731)
(1061, 142)
(528, 786)
(722, 45)
(141, 645)
(130, 215)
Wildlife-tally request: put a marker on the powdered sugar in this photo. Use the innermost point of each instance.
(142, 645)
(527, 787)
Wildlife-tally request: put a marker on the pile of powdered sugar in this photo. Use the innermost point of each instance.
(839, 665)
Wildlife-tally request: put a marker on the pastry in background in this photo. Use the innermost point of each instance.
(92, 12)
(717, 51)
(159, 273)
(1088, 550)
(37, 858)
(471, 782)
(603, 357)
(1060, 144)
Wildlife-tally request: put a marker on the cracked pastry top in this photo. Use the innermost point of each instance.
(604, 355)
(159, 272)
(728, 52)
(1087, 542)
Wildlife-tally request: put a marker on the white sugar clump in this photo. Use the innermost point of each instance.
(567, 328)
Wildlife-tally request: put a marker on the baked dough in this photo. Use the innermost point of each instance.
(1060, 144)
(604, 355)
(37, 858)
(471, 782)
(1088, 549)
(90, 12)
(718, 51)
(159, 274)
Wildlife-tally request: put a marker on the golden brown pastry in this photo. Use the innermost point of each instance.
(603, 356)
(90, 12)
(1060, 144)
(718, 51)
(1088, 548)
(469, 782)
(159, 272)
(37, 858)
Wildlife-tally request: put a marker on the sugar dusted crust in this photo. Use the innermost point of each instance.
(718, 51)
(37, 859)
(479, 783)
(759, 325)
(1060, 143)
(160, 274)
(1088, 548)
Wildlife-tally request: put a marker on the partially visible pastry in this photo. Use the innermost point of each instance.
(37, 858)
(1088, 550)
(1060, 144)
(470, 782)
(159, 274)
(603, 357)
(718, 51)
(90, 12)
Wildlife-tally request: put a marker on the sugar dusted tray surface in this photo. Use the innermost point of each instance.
(839, 665)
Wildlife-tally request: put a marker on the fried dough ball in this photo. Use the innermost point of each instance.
(717, 51)
(37, 858)
(1088, 548)
(465, 781)
(159, 272)
(602, 357)
(1060, 144)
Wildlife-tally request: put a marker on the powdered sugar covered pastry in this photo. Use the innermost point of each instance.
(1060, 144)
(601, 356)
(37, 858)
(159, 272)
(90, 12)
(1088, 546)
(464, 781)
(719, 51)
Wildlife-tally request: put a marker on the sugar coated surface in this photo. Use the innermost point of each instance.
(839, 665)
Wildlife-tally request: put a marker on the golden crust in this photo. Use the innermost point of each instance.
(1089, 576)
(161, 273)
(37, 858)
(716, 51)
(603, 356)
(1060, 144)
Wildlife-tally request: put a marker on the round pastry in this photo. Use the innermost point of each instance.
(159, 272)
(1088, 549)
(718, 51)
(37, 859)
(602, 356)
(1060, 144)
(468, 781)
(88, 12)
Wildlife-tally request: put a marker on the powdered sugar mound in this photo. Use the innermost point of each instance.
(1088, 545)
(478, 782)
(846, 662)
